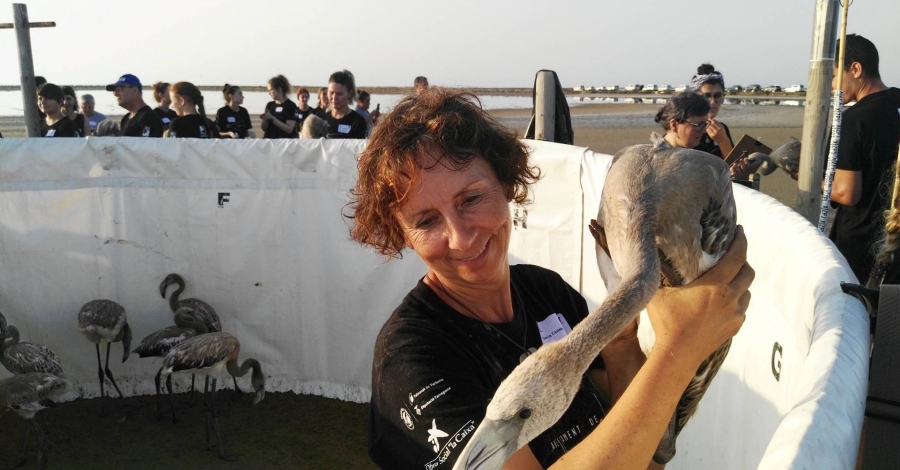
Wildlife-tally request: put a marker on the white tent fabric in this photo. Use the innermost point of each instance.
(255, 228)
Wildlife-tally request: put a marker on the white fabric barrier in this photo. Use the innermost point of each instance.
(109, 218)
(254, 226)
(791, 393)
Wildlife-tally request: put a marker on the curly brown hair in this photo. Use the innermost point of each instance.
(449, 125)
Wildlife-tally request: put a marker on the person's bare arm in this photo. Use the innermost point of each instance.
(846, 188)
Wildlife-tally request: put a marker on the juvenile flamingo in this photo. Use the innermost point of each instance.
(27, 394)
(214, 355)
(22, 358)
(157, 344)
(667, 214)
(104, 320)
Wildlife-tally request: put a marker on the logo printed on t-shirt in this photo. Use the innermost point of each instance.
(407, 419)
(454, 442)
(434, 434)
(146, 132)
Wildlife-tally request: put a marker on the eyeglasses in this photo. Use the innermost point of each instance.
(700, 127)
(718, 97)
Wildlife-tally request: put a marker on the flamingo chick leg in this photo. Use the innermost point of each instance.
(237, 390)
(102, 380)
(193, 394)
(156, 381)
(171, 398)
(24, 449)
(43, 443)
(215, 422)
(109, 372)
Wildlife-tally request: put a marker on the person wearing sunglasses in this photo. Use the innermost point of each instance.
(685, 118)
(709, 83)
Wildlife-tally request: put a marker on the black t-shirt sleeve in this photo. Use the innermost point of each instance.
(222, 120)
(425, 402)
(851, 151)
(213, 132)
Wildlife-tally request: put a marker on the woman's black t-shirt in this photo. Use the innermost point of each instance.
(65, 127)
(708, 145)
(194, 126)
(284, 111)
(229, 120)
(165, 116)
(351, 126)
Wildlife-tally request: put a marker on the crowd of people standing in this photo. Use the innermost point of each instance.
(181, 111)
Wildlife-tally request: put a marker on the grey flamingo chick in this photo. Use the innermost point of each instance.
(157, 344)
(105, 321)
(657, 202)
(22, 358)
(786, 157)
(214, 355)
(28, 394)
(205, 310)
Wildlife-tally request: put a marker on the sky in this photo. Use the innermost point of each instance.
(477, 43)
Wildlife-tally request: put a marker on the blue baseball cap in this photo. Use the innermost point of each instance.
(127, 79)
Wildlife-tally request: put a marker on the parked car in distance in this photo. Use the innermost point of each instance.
(735, 89)
(611, 88)
(772, 89)
(650, 88)
(680, 88)
(795, 89)
(752, 88)
(633, 87)
(578, 89)
(667, 88)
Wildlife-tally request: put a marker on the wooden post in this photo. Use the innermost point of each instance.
(545, 106)
(815, 117)
(26, 66)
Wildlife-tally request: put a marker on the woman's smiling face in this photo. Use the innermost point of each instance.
(458, 221)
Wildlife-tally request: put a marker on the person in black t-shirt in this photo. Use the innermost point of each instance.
(343, 121)
(711, 84)
(140, 121)
(469, 322)
(279, 121)
(233, 120)
(870, 135)
(303, 108)
(191, 121)
(56, 124)
(70, 110)
(161, 95)
(322, 107)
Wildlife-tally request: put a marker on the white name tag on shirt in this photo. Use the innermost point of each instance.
(93, 124)
(343, 128)
(553, 328)
(279, 109)
(51, 132)
(231, 119)
(166, 120)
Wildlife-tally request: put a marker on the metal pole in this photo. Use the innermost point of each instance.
(545, 107)
(836, 124)
(815, 117)
(26, 71)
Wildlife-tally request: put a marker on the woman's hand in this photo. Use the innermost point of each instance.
(251, 134)
(715, 131)
(740, 170)
(265, 116)
(692, 321)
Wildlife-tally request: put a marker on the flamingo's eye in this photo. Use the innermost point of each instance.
(525, 413)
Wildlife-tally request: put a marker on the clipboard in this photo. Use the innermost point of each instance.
(745, 147)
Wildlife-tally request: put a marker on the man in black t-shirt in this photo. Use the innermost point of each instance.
(140, 121)
(870, 135)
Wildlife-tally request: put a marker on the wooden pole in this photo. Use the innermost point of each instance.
(815, 117)
(26, 71)
(545, 106)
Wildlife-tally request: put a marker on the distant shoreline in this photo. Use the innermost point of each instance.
(395, 90)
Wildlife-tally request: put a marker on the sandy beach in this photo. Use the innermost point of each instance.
(608, 127)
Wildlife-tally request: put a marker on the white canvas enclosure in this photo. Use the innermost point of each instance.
(255, 228)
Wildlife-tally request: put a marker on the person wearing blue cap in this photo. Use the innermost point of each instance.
(140, 121)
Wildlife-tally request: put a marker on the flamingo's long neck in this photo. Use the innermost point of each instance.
(249, 364)
(173, 299)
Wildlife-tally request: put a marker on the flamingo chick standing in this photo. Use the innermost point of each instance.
(657, 202)
(27, 394)
(157, 344)
(104, 320)
(212, 355)
(22, 358)
(203, 309)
